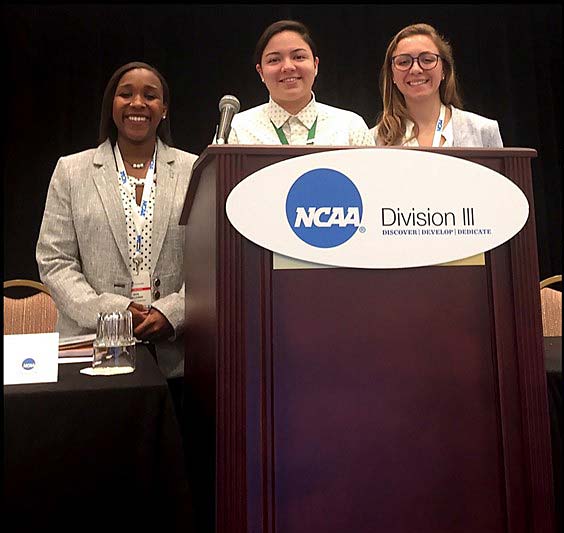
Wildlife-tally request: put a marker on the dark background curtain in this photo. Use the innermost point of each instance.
(58, 59)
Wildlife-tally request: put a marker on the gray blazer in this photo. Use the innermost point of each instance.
(82, 251)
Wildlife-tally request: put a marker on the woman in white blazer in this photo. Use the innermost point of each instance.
(287, 63)
(98, 249)
(421, 104)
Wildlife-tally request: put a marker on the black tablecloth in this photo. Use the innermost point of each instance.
(94, 452)
(553, 366)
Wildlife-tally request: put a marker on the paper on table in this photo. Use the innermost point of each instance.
(77, 346)
(87, 351)
(77, 340)
(65, 360)
(108, 371)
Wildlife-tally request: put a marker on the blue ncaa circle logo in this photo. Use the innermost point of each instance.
(28, 363)
(324, 208)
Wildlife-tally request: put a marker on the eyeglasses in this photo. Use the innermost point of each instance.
(426, 60)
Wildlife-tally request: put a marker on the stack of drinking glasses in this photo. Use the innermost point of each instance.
(114, 347)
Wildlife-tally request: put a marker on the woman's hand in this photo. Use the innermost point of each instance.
(154, 326)
(139, 312)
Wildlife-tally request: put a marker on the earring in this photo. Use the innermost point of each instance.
(164, 116)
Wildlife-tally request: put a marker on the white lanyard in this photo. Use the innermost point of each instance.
(139, 212)
(440, 126)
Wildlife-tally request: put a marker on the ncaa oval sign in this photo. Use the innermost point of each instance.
(377, 208)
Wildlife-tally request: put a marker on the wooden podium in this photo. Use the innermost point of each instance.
(343, 400)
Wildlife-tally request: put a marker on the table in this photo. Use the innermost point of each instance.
(98, 451)
(553, 366)
(553, 354)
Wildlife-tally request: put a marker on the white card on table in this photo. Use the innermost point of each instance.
(31, 358)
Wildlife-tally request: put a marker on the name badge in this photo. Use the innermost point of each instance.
(141, 290)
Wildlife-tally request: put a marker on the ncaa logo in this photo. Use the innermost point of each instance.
(28, 363)
(324, 208)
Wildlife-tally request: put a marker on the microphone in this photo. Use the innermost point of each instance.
(228, 106)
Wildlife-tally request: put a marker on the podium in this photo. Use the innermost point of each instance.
(361, 400)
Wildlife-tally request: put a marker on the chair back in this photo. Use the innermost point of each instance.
(29, 314)
(551, 307)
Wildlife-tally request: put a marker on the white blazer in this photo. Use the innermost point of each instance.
(470, 130)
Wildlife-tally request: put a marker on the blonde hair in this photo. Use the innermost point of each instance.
(391, 123)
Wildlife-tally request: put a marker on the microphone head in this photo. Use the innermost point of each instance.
(229, 100)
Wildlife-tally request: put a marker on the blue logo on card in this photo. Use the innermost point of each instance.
(28, 363)
(324, 208)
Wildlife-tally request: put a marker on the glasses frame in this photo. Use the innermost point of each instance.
(416, 58)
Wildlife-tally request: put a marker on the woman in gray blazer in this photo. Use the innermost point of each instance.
(421, 104)
(110, 238)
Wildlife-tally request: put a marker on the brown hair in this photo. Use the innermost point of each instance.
(108, 128)
(392, 121)
(278, 27)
